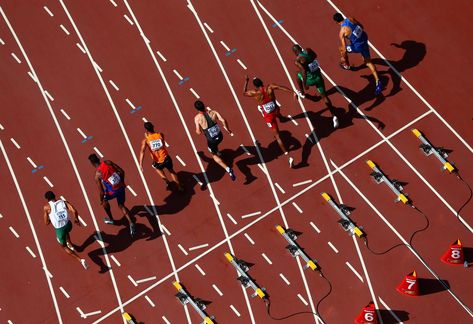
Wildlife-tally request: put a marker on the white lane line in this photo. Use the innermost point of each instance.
(252, 214)
(232, 219)
(180, 160)
(302, 183)
(15, 143)
(214, 199)
(200, 269)
(128, 19)
(130, 103)
(65, 114)
(97, 66)
(48, 11)
(266, 258)
(2, 42)
(178, 75)
(194, 93)
(235, 310)
(48, 95)
(182, 249)
(165, 320)
(249, 239)
(245, 149)
(390, 311)
(82, 221)
(113, 3)
(197, 179)
(144, 120)
(146, 279)
(114, 85)
(16, 58)
(14, 232)
(315, 227)
(81, 48)
(131, 190)
(225, 46)
(48, 182)
(161, 56)
(302, 299)
(165, 230)
(98, 152)
(198, 247)
(217, 290)
(262, 168)
(354, 271)
(309, 138)
(49, 274)
(81, 133)
(242, 65)
(32, 76)
(285, 279)
(31, 162)
(65, 30)
(293, 120)
(115, 260)
(132, 281)
(332, 246)
(297, 207)
(64, 292)
(279, 187)
(150, 301)
(208, 27)
(31, 252)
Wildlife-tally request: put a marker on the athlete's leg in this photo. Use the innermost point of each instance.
(175, 179)
(121, 204)
(299, 83)
(279, 140)
(108, 210)
(372, 68)
(71, 253)
(163, 176)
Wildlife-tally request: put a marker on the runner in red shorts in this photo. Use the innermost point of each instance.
(266, 99)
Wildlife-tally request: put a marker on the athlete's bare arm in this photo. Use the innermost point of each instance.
(142, 152)
(249, 93)
(298, 62)
(198, 128)
(222, 120)
(73, 211)
(344, 32)
(98, 181)
(274, 86)
(46, 211)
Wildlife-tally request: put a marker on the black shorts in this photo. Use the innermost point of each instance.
(167, 163)
(213, 143)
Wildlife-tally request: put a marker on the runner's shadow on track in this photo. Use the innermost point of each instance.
(389, 319)
(270, 153)
(367, 93)
(431, 286)
(324, 127)
(114, 243)
(142, 211)
(214, 171)
(468, 254)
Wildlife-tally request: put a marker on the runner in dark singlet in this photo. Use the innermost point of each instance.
(206, 122)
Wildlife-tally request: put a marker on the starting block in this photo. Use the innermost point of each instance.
(128, 318)
(185, 298)
(429, 149)
(394, 185)
(242, 268)
(346, 223)
(294, 248)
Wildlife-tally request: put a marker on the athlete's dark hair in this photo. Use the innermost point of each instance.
(199, 105)
(149, 127)
(296, 48)
(338, 17)
(49, 195)
(94, 159)
(257, 82)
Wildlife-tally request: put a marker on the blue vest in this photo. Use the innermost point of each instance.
(357, 36)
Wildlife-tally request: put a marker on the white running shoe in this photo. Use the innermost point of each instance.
(291, 162)
(335, 121)
(84, 264)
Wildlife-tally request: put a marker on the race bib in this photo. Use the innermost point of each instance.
(156, 144)
(214, 131)
(357, 31)
(114, 179)
(313, 66)
(269, 107)
(61, 215)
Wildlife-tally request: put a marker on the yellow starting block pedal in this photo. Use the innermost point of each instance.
(430, 149)
(342, 211)
(128, 318)
(294, 248)
(394, 185)
(242, 268)
(185, 298)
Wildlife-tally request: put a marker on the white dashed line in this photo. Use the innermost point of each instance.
(235, 310)
(165, 230)
(261, 167)
(131, 190)
(31, 162)
(266, 258)
(225, 46)
(92, 313)
(208, 27)
(113, 3)
(180, 160)
(31, 252)
(64, 292)
(249, 239)
(32, 76)
(161, 56)
(2, 42)
(279, 187)
(178, 75)
(97, 66)
(165, 319)
(48, 182)
(285, 279)
(65, 114)
(82, 221)
(232, 219)
(242, 65)
(114, 85)
(182, 249)
(245, 149)
(302, 299)
(200, 269)
(315, 227)
(293, 120)
(132, 281)
(217, 290)
(128, 19)
(144, 120)
(194, 93)
(301, 183)
(15, 143)
(48, 95)
(251, 215)
(98, 152)
(48, 11)
(198, 247)
(1, 216)
(130, 103)
(81, 133)
(49, 274)
(115, 260)
(297, 207)
(81, 313)
(65, 30)
(150, 301)
(146, 279)
(1, 127)
(333, 247)
(215, 199)
(81, 48)
(16, 58)
(197, 179)
(354, 271)
(309, 138)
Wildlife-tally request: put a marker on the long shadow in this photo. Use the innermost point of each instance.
(431, 286)
(214, 171)
(388, 318)
(323, 127)
(367, 93)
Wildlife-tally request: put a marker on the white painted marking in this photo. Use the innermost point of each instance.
(64, 292)
(252, 214)
(82, 133)
(180, 160)
(131, 190)
(166, 143)
(1, 127)
(302, 183)
(82, 221)
(14, 232)
(249, 239)
(1, 216)
(354, 271)
(92, 313)
(113, 3)
(31, 252)
(48, 182)
(315, 227)
(309, 138)
(165, 230)
(217, 290)
(16, 58)
(115, 260)
(279, 187)
(97, 66)
(48, 11)
(302, 299)
(293, 120)
(297, 207)
(9, 321)
(15, 143)
(232, 219)
(200, 269)
(182, 249)
(225, 46)
(65, 114)
(81, 48)
(130, 103)
(132, 281)
(150, 301)
(128, 19)
(165, 319)
(146, 279)
(98, 152)
(266, 258)
(144, 120)
(99, 241)
(245, 149)
(235, 310)
(161, 56)
(261, 167)
(2, 42)
(114, 85)
(208, 27)
(194, 93)
(80, 312)
(178, 75)
(49, 274)
(31, 162)
(196, 179)
(215, 199)
(242, 65)
(32, 76)
(198, 247)
(48, 95)
(65, 30)
(285, 279)
(389, 310)
(332, 246)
